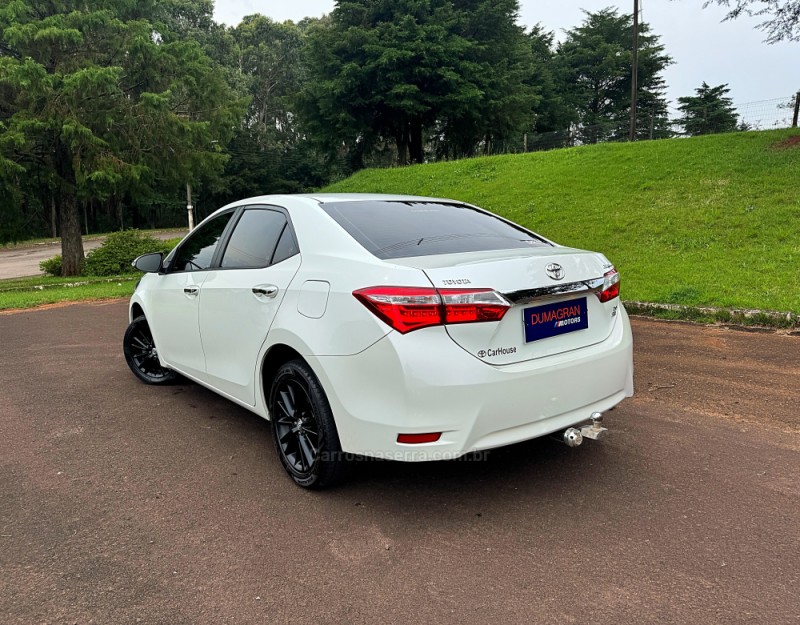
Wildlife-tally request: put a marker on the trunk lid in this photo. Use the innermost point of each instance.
(550, 313)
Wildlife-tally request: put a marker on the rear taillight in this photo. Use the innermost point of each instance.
(473, 305)
(410, 308)
(610, 286)
(403, 308)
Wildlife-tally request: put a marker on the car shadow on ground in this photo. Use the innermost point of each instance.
(543, 466)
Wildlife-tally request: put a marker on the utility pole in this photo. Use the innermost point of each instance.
(634, 69)
(189, 207)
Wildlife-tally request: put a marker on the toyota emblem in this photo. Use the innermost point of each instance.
(555, 271)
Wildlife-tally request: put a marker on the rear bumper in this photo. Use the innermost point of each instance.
(423, 382)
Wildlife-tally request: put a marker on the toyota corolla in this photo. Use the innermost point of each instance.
(396, 327)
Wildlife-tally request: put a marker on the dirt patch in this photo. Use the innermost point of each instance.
(788, 142)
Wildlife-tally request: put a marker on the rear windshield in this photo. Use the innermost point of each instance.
(393, 229)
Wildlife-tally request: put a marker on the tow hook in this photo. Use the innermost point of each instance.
(595, 431)
(572, 437)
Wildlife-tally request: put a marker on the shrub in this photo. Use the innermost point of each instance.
(170, 244)
(51, 266)
(118, 251)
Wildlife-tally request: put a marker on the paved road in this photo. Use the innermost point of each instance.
(121, 503)
(24, 261)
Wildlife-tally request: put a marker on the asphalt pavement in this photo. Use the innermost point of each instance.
(23, 261)
(122, 503)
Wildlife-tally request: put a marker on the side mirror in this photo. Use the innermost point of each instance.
(149, 263)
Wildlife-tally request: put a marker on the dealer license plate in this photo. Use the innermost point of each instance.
(542, 322)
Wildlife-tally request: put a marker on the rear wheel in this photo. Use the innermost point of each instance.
(142, 356)
(303, 428)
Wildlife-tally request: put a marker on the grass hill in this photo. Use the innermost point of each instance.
(706, 221)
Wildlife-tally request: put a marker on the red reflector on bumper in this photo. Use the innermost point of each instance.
(414, 439)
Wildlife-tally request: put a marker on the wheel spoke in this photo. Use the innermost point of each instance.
(139, 343)
(286, 436)
(284, 419)
(311, 431)
(286, 404)
(295, 460)
(307, 450)
(301, 404)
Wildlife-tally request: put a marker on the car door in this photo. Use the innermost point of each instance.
(241, 297)
(174, 305)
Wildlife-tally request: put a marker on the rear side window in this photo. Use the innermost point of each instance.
(254, 239)
(394, 229)
(287, 246)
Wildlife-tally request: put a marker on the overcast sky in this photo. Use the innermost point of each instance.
(703, 47)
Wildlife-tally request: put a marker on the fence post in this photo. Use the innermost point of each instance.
(796, 109)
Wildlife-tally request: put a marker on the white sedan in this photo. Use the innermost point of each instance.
(397, 327)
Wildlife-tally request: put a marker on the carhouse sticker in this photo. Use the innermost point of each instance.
(542, 322)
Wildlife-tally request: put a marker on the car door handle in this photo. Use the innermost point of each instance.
(267, 290)
(191, 290)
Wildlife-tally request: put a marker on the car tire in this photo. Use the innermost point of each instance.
(303, 428)
(142, 356)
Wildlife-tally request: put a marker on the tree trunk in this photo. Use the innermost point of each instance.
(401, 139)
(136, 218)
(415, 145)
(69, 213)
(53, 228)
(71, 239)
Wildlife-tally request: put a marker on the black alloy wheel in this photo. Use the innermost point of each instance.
(142, 356)
(303, 428)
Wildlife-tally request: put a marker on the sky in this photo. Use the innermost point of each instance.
(703, 47)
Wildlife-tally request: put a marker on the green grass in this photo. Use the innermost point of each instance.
(31, 292)
(707, 221)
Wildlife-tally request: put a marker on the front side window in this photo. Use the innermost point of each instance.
(197, 252)
(254, 238)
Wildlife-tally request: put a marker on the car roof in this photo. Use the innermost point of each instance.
(325, 198)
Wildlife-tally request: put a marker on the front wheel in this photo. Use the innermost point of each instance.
(141, 355)
(303, 428)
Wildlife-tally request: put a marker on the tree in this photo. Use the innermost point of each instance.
(500, 60)
(707, 112)
(553, 112)
(268, 151)
(400, 70)
(106, 104)
(783, 16)
(595, 60)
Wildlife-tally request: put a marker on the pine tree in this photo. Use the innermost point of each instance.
(707, 112)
